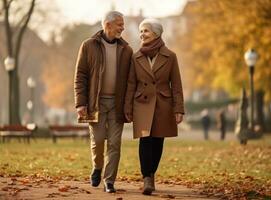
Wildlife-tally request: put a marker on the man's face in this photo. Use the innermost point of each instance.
(115, 27)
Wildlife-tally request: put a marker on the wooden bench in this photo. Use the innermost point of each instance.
(17, 131)
(72, 131)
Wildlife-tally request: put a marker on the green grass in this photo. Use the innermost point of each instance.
(215, 165)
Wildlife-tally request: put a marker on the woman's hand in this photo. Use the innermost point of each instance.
(178, 117)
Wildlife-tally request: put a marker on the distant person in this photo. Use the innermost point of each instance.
(100, 83)
(221, 124)
(206, 123)
(154, 98)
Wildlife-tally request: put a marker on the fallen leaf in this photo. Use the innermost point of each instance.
(6, 188)
(84, 190)
(51, 195)
(13, 179)
(64, 188)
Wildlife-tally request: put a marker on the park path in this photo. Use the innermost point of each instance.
(22, 188)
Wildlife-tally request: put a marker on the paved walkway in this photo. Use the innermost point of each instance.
(22, 188)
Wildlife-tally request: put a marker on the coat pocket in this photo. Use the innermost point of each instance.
(138, 94)
(141, 97)
(166, 93)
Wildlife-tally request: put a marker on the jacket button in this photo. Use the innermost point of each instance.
(145, 97)
(153, 82)
(145, 84)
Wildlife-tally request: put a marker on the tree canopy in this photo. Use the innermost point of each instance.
(219, 33)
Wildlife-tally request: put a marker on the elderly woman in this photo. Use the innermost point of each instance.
(154, 98)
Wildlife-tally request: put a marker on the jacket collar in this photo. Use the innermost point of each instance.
(98, 36)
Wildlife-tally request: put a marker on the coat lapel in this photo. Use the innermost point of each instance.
(161, 59)
(159, 62)
(144, 63)
(119, 52)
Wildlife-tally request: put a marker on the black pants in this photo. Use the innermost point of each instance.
(150, 152)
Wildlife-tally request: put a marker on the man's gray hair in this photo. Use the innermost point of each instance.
(110, 16)
(154, 25)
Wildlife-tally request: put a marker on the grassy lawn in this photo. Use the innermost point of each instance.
(223, 168)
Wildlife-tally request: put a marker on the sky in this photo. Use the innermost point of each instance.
(91, 11)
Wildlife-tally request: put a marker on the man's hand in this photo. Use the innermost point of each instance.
(82, 111)
(178, 117)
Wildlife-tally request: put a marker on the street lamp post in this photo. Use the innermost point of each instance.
(251, 59)
(9, 66)
(30, 104)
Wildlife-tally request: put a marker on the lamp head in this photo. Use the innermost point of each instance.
(251, 57)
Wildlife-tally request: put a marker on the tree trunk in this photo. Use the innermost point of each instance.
(15, 98)
(13, 48)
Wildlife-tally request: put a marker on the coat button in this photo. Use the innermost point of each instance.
(145, 97)
(145, 84)
(153, 82)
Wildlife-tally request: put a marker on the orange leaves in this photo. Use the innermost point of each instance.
(58, 79)
(39, 187)
(218, 34)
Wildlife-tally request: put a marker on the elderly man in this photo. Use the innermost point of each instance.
(100, 83)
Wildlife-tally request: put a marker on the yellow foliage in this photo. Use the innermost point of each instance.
(219, 33)
(58, 79)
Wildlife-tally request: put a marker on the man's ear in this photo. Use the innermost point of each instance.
(107, 25)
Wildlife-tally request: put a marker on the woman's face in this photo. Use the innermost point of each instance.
(146, 35)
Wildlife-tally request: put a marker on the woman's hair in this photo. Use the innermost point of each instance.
(154, 25)
(110, 16)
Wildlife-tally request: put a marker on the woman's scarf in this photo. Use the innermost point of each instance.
(151, 49)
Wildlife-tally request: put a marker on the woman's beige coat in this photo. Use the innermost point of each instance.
(154, 94)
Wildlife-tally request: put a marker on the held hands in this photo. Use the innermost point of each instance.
(178, 117)
(82, 111)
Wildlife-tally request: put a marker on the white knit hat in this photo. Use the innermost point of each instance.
(154, 24)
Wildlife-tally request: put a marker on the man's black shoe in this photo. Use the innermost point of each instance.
(109, 188)
(96, 177)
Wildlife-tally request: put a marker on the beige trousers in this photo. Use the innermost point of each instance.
(106, 129)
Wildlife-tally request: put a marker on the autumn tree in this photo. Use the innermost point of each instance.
(58, 74)
(19, 19)
(16, 18)
(219, 33)
(58, 78)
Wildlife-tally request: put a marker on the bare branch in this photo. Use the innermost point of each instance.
(23, 28)
(19, 24)
(6, 6)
